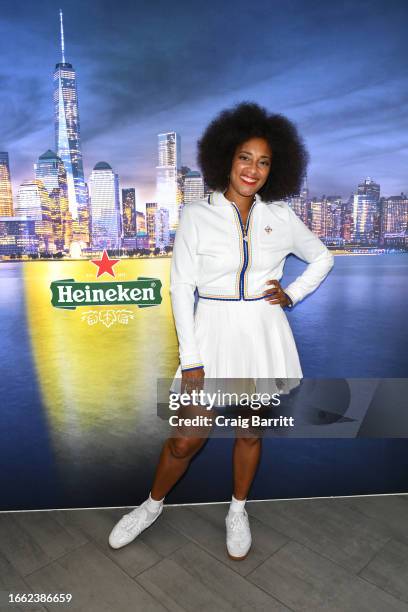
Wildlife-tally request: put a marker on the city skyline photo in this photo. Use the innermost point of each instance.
(145, 79)
(337, 71)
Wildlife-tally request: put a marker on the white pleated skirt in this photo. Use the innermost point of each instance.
(249, 340)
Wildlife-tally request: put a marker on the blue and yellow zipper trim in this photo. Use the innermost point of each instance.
(246, 257)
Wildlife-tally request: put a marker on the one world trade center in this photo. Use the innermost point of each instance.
(67, 141)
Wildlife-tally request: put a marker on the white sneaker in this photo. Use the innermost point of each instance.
(132, 524)
(238, 535)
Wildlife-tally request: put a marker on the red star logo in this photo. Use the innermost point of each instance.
(105, 264)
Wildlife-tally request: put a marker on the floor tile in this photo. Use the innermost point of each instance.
(339, 533)
(96, 583)
(389, 569)
(205, 525)
(305, 582)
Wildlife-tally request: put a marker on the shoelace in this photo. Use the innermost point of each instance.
(238, 521)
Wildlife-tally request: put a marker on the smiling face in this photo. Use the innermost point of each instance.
(250, 167)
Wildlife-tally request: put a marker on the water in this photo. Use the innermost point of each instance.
(355, 324)
(78, 426)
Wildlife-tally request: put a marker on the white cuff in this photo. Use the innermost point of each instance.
(190, 361)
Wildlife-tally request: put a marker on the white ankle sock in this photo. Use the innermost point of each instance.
(237, 505)
(154, 505)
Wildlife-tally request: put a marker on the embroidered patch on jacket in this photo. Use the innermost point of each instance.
(268, 229)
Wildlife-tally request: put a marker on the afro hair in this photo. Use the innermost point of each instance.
(234, 126)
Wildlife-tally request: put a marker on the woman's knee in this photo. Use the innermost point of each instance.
(183, 448)
(247, 440)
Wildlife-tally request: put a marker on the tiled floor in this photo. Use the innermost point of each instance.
(348, 554)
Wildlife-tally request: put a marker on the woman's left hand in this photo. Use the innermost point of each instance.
(276, 294)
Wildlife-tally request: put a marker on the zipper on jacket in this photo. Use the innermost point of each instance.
(244, 231)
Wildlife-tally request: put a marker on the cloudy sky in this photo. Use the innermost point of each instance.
(336, 68)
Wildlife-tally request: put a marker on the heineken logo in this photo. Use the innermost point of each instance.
(69, 294)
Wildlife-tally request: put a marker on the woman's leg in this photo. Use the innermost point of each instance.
(174, 460)
(178, 451)
(175, 457)
(246, 456)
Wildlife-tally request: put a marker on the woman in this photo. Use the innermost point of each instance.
(232, 247)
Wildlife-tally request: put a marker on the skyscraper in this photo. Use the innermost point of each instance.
(304, 190)
(161, 230)
(394, 221)
(370, 188)
(151, 208)
(67, 137)
(18, 236)
(34, 202)
(347, 221)
(142, 237)
(167, 184)
(105, 207)
(32, 198)
(51, 171)
(335, 215)
(129, 212)
(6, 196)
(193, 187)
(140, 222)
(299, 205)
(366, 212)
(319, 210)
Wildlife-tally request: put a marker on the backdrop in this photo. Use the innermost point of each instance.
(78, 421)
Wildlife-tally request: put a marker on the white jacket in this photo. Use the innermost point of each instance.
(214, 253)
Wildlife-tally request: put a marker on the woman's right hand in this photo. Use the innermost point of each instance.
(192, 380)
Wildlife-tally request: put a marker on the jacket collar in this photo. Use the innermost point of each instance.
(217, 198)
